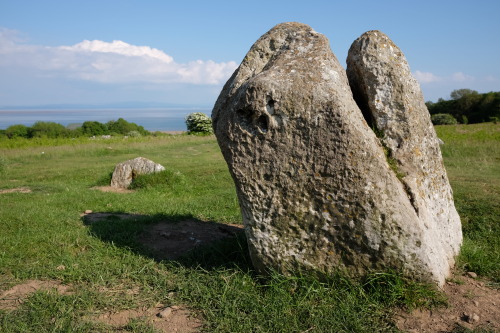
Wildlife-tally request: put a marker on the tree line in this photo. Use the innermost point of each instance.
(89, 128)
(465, 106)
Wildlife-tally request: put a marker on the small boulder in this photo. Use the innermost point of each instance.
(125, 172)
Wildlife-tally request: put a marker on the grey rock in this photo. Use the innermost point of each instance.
(471, 318)
(392, 102)
(313, 181)
(472, 275)
(165, 313)
(126, 171)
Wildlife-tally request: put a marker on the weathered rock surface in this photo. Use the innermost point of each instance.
(391, 100)
(314, 184)
(126, 171)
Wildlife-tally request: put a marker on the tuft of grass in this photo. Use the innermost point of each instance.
(393, 289)
(139, 326)
(3, 165)
(104, 180)
(393, 163)
(165, 178)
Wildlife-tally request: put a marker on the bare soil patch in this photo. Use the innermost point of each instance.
(16, 190)
(15, 296)
(164, 319)
(472, 305)
(112, 189)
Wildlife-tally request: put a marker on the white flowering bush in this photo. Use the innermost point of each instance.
(134, 134)
(199, 123)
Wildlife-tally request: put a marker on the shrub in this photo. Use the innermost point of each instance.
(121, 126)
(17, 131)
(92, 128)
(443, 119)
(49, 130)
(199, 123)
(134, 134)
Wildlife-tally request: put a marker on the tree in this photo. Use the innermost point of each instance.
(459, 93)
(121, 126)
(471, 107)
(94, 128)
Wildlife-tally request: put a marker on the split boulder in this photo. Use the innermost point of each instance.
(392, 102)
(125, 172)
(316, 187)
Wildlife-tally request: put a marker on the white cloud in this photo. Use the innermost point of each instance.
(461, 77)
(109, 62)
(426, 77)
(120, 48)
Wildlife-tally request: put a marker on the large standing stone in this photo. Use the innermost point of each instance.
(126, 171)
(391, 100)
(315, 187)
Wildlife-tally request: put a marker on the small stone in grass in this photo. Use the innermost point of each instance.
(165, 313)
(472, 275)
(471, 318)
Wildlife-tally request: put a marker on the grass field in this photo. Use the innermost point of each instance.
(43, 236)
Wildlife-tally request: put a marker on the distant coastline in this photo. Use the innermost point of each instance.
(152, 119)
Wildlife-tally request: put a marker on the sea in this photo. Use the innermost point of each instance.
(152, 119)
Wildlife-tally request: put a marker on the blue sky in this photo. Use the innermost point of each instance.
(182, 52)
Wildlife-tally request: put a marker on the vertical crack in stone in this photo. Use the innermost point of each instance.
(361, 99)
(411, 196)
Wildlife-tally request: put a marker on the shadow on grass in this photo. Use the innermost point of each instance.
(180, 238)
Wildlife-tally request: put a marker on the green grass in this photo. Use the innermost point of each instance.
(43, 230)
(166, 180)
(472, 159)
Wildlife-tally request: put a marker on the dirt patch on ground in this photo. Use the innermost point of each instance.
(16, 190)
(170, 240)
(15, 296)
(471, 305)
(112, 189)
(164, 319)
